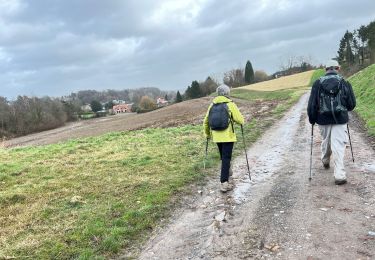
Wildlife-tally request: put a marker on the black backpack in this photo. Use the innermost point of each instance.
(219, 117)
(331, 93)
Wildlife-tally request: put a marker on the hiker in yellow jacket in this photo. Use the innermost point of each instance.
(225, 138)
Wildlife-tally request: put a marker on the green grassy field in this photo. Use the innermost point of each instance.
(93, 198)
(289, 96)
(363, 84)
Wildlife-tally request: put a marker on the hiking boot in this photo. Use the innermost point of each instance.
(225, 186)
(340, 182)
(326, 165)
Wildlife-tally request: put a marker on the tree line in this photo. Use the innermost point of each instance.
(233, 78)
(357, 49)
(31, 114)
(243, 76)
(128, 95)
(26, 115)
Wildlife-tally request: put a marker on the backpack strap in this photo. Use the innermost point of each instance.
(230, 115)
(231, 121)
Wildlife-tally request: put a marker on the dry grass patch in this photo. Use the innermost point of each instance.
(287, 82)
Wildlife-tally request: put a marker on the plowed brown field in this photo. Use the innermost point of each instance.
(187, 112)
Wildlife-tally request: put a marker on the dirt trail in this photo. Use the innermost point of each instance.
(279, 214)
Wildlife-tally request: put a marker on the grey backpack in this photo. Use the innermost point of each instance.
(330, 95)
(219, 117)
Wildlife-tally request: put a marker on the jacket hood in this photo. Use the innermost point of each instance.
(221, 99)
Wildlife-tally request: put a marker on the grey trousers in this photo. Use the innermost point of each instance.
(334, 140)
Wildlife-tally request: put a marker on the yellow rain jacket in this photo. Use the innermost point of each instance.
(227, 135)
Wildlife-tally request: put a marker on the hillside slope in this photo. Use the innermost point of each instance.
(292, 81)
(364, 88)
(262, 97)
(187, 112)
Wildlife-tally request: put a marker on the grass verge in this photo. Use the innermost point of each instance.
(363, 84)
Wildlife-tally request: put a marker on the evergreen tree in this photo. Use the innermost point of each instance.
(166, 97)
(109, 105)
(341, 51)
(345, 53)
(96, 106)
(349, 56)
(188, 93)
(249, 73)
(362, 35)
(357, 48)
(195, 90)
(178, 97)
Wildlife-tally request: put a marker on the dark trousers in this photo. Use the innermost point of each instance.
(225, 150)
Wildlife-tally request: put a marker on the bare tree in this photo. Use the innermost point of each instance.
(295, 64)
(147, 103)
(208, 86)
(260, 76)
(27, 115)
(288, 63)
(234, 78)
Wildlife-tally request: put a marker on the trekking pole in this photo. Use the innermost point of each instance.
(350, 141)
(244, 146)
(311, 149)
(205, 158)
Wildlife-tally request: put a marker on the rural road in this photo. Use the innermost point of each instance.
(279, 214)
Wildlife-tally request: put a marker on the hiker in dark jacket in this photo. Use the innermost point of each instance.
(226, 138)
(330, 100)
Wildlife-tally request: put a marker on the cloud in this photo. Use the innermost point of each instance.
(61, 46)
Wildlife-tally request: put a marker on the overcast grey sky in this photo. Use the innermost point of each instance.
(55, 47)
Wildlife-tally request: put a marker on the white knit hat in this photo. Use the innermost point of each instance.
(332, 64)
(223, 90)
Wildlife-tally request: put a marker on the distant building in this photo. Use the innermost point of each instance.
(118, 101)
(161, 102)
(123, 108)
